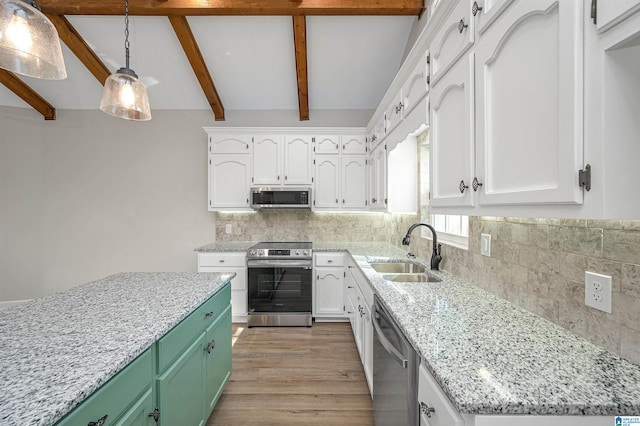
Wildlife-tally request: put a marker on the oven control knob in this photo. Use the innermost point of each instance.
(297, 252)
(305, 253)
(252, 252)
(264, 252)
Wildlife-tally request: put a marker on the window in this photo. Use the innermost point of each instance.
(452, 229)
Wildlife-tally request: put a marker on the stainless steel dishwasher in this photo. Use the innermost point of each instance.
(395, 372)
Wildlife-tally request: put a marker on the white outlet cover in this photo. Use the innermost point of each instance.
(485, 244)
(227, 228)
(597, 291)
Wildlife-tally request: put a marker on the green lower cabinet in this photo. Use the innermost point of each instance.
(141, 414)
(180, 388)
(217, 360)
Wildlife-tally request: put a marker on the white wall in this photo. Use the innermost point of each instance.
(89, 195)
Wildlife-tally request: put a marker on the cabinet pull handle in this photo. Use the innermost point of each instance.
(208, 314)
(426, 410)
(100, 422)
(462, 187)
(221, 260)
(285, 177)
(462, 25)
(475, 8)
(337, 146)
(475, 184)
(349, 286)
(278, 177)
(155, 414)
(210, 346)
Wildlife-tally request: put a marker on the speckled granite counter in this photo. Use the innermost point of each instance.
(55, 351)
(226, 246)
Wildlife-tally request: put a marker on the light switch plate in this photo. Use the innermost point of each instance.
(597, 291)
(485, 244)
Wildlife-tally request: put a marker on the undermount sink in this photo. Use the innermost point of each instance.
(398, 268)
(411, 278)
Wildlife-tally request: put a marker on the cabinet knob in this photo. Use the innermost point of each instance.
(475, 184)
(475, 8)
(462, 25)
(426, 410)
(462, 187)
(100, 422)
(210, 346)
(208, 314)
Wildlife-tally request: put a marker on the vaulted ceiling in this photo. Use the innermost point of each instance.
(225, 54)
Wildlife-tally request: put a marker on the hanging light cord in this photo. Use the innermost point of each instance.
(126, 32)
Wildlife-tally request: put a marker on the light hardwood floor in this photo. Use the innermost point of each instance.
(295, 376)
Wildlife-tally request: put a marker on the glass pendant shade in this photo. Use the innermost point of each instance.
(124, 96)
(29, 43)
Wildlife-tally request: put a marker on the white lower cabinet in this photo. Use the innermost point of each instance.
(228, 262)
(435, 408)
(328, 282)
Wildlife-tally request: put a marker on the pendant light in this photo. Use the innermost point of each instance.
(125, 96)
(29, 43)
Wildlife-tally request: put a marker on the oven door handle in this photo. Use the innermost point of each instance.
(264, 263)
(386, 343)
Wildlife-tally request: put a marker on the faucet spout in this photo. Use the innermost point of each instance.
(436, 257)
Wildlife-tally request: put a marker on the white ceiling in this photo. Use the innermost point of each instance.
(351, 61)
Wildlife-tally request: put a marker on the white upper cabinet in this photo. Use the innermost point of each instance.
(326, 194)
(612, 12)
(298, 150)
(416, 86)
(327, 144)
(451, 136)
(485, 12)
(229, 182)
(529, 105)
(354, 183)
(354, 144)
(452, 40)
(377, 177)
(229, 144)
(393, 114)
(267, 167)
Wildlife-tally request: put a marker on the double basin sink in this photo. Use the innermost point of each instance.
(405, 272)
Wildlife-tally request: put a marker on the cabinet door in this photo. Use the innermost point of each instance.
(297, 160)
(217, 355)
(612, 12)
(393, 114)
(431, 398)
(139, 414)
(354, 144)
(230, 143)
(452, 144)
(529, 118)
(348, 290)
(327, 182)
(328, 299)
(229, 181)
(180, 388)
(416, 86)
(354, 182)
(378, 178)
(487, 11)
(327, 144)
(267, 156)
(452, 40)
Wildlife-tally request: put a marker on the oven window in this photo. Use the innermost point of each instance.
(276, 289)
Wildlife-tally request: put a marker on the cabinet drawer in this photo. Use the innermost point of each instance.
(431, 396)
(173, 343)
(221, 259)
(329, 259)
(115, 396)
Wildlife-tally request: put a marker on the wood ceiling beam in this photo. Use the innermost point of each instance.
(191, 49)
(27, 94)
(233, 7)
(300, 42)
(80, 48)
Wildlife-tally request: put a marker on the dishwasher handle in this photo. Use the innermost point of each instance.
(386, 343)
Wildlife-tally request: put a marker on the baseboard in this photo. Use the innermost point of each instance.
(9, 303)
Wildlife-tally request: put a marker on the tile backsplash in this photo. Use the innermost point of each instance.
(537, 264)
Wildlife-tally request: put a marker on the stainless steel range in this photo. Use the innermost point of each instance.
(280, 279)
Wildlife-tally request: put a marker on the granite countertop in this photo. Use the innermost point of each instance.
(492, 357)
(55, 351)
(226, 246)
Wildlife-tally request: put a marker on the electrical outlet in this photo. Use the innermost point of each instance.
(227, 228)
(597, 291)
(485, 244)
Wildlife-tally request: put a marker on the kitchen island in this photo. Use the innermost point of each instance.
(57, 350)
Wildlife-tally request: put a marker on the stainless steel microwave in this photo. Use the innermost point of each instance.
(280, 198)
